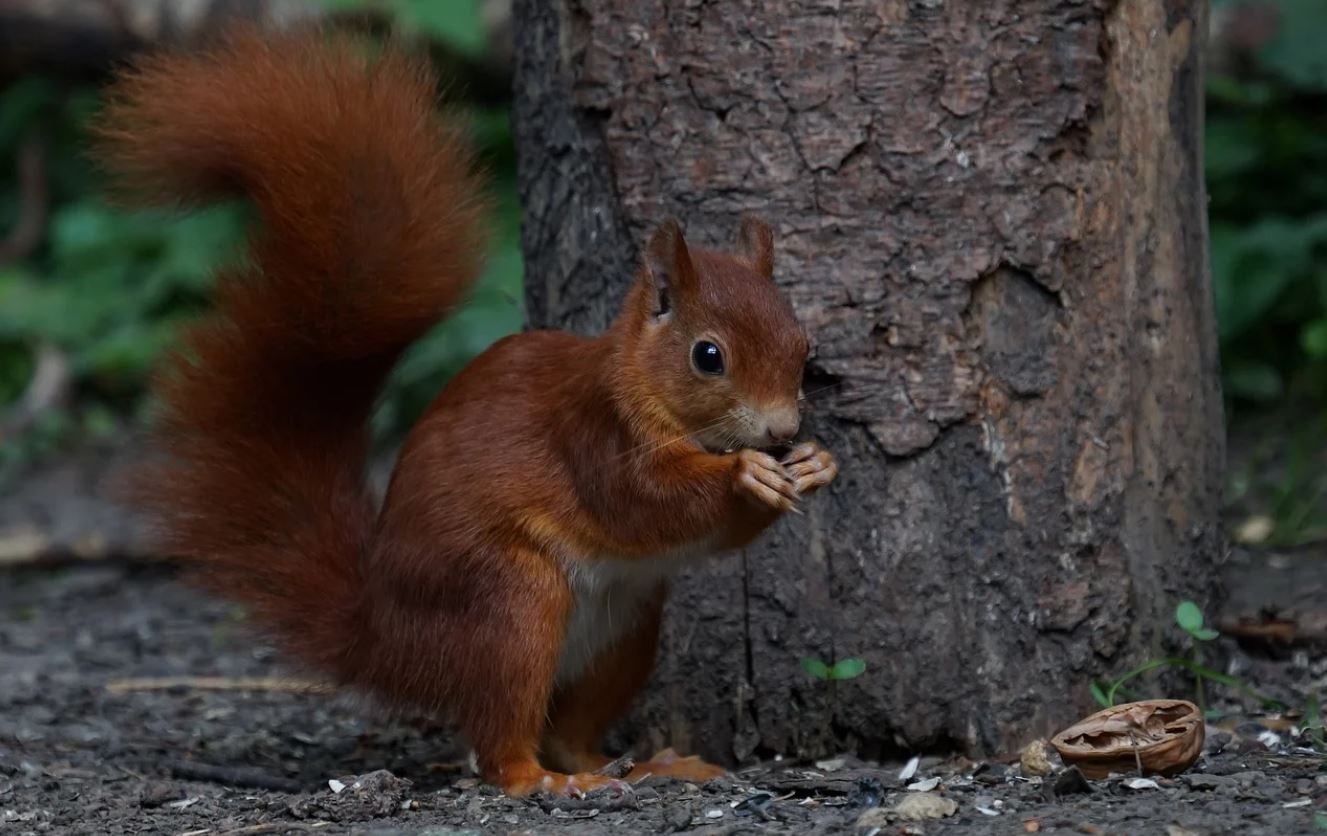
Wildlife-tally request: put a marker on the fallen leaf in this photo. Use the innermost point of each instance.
(1162, 737)
(1031, 826)
(924, 786)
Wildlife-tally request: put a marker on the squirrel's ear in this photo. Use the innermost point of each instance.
(669, 264)
(755, 242)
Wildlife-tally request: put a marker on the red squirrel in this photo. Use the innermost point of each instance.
(514, 575)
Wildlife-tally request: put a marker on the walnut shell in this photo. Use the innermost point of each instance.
(1164, 736)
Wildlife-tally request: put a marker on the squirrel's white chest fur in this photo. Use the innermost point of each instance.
(609, 595)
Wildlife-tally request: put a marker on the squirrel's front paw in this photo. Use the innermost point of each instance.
(762, 479)
(810, 466)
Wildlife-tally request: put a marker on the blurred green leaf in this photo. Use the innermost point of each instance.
(847, 669)
(1314, 339)
(815, 668)
(457, 23)
(1253, 380)
(1252, 266)
(20, 105)
(15, 370)
(1298, 52)
(1099, 694)
(1231, 146)
(1188, 616)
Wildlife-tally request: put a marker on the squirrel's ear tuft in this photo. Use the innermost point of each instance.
(755, 243)
(668, 262)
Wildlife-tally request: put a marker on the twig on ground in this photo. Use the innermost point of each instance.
(268, 827)
(216, 683)
(233, 776)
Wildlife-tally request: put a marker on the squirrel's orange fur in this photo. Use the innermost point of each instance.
(513, 579)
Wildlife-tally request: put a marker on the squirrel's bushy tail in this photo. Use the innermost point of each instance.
(369, 216)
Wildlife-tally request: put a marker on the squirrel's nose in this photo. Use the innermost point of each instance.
(781, 425)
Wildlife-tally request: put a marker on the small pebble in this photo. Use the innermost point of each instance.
(1070, 782)
(1249, 778)
(158, 794)
(1216, 741)
(1199, 781)
(719, 785)
(991, 775)
(679, 817)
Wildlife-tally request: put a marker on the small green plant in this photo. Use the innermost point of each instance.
(1189, 618)
(850, 668)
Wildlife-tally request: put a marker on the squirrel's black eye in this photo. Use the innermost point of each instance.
(707, 357)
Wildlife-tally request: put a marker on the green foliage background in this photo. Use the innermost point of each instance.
(1266, 159)
(109, 287)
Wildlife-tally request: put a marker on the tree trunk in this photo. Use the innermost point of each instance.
(992, 218)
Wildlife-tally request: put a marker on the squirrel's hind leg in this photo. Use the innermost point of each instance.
(584, 711)
(496, 660)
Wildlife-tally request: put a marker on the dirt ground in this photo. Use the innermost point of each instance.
(79, 757)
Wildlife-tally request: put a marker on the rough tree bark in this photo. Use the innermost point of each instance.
(992, 217)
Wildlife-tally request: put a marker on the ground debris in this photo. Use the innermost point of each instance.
(1069, 782)
(376, 794)
(77, 759)
(914, 806)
